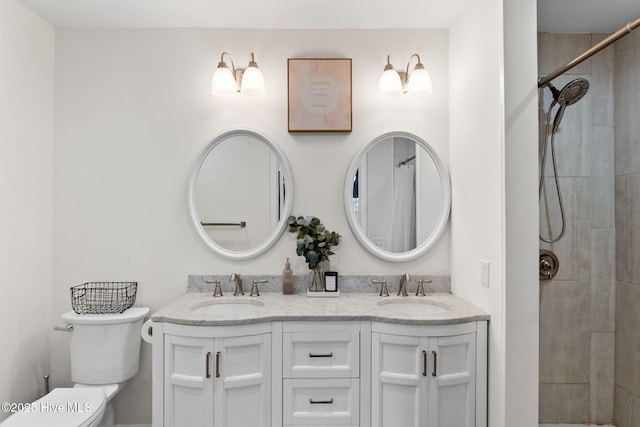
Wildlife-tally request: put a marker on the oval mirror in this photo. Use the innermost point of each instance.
(397, 196)
(240, 194)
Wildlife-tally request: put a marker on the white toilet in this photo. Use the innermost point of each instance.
(105, 352)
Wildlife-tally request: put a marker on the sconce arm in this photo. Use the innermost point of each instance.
(224, 64)
(417, 67)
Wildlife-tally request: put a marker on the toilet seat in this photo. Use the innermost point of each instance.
(63, 407)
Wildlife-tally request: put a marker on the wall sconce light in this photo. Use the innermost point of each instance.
(226, 81)
(394, 83)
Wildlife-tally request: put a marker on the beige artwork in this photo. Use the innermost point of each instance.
(320, 95)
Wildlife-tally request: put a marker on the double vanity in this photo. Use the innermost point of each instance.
(289, 360)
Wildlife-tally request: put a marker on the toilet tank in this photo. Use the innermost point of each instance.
(105, 348)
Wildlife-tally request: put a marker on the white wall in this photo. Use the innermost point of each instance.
(133, 108)
(521, 245)
(26, 136)
(493, 148)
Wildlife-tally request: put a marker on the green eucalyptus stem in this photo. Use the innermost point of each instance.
(313, 240)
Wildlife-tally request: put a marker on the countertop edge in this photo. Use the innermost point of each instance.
(363, 307)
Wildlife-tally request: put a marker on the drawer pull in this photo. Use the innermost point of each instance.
(207, 363)
(321, 402)
(424, 363)
(435, 363)
(321, 355)
(217, 364)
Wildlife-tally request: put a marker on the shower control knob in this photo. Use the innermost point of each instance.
(548, 264)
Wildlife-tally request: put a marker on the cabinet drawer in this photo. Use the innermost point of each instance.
(321, 354)
(321, 402)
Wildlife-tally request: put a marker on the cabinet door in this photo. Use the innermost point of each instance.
(188, 392)
(452, 381)
(398, 383)
(243, 389)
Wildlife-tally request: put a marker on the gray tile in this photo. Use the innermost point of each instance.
(621, 407)
(627, 337)
(564, 403)
(602, 176)
(556, 49)
(602, 376)
(633, 188)
(627, 216)
(603, 301)
(601, 91)
(623, 234)
(626, 96)
(627, 408)
(565, 332)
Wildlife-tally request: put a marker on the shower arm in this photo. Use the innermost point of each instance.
(543, 81)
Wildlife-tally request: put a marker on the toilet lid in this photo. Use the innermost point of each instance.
(63, 407)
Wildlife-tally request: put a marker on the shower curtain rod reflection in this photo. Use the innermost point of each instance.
(404, 162)
(543, 81)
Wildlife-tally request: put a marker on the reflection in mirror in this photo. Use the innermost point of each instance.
(397, 196)
(240, 194)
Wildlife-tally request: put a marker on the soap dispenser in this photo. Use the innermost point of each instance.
(287, 279)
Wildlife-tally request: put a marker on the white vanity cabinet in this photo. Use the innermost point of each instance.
(299, 362)
(214, 376)
(428, 376)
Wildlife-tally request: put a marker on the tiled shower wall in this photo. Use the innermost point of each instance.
(577, 307)
(627, 196)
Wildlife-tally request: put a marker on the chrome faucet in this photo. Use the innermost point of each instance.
(402, 290)
(236, 278)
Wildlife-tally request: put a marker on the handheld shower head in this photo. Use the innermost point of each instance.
(571, 93)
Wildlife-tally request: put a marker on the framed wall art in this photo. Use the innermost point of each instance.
(319, 94)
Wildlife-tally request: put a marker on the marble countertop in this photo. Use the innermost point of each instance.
(439, 309)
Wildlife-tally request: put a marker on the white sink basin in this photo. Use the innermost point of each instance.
(226, 307)
(412, 306)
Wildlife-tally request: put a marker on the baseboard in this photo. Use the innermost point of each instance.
(132, 425)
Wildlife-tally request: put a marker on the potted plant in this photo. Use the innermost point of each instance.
(314, 242)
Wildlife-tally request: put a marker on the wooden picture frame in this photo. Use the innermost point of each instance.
(319, 95)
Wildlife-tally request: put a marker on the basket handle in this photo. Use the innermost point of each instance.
(133, 290)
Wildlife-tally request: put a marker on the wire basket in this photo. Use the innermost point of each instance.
(103, 297)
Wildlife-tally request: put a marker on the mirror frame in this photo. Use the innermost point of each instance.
(444, 213)
(193, 180)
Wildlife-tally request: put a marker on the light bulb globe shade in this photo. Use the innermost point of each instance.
(420, 82)
(252, 82)
(223, 82)
(390, 85)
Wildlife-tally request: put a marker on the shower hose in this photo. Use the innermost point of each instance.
(550, 135)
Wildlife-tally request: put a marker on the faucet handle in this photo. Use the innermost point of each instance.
(217, 292)
(420, 290)
(254, 287)
(384, 290)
